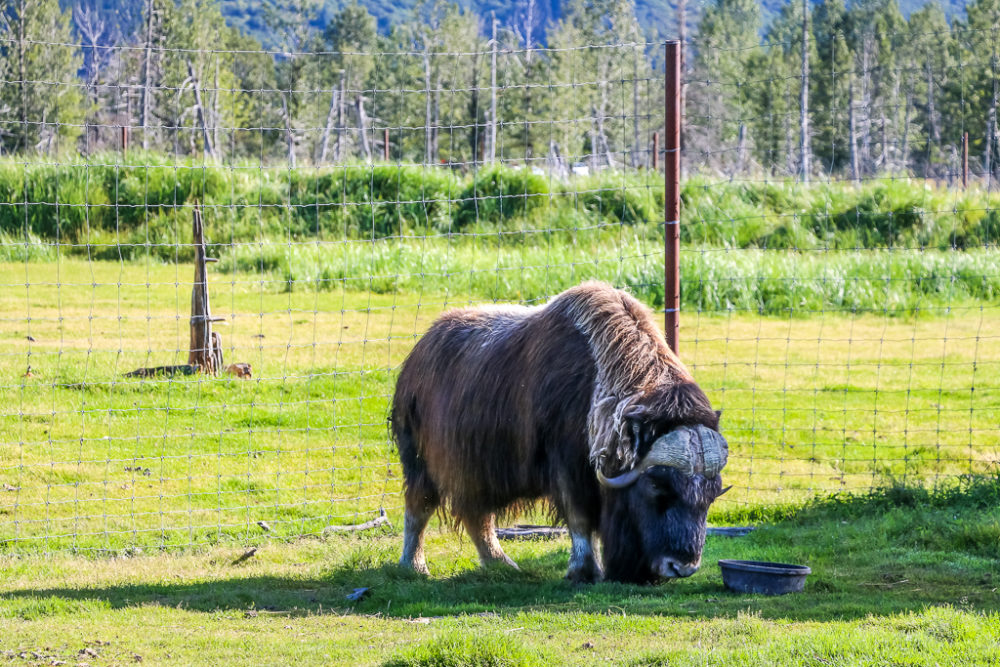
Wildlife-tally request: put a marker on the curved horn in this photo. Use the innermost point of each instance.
(715, 451)
(694, 450)
(621, 481)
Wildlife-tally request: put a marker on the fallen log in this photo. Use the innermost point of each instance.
(380, 520)
(523, 532)
(531, 532)
(182, 369)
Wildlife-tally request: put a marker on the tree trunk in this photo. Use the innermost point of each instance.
(885, 160)
(436, 126)
(324, 140)
(635, 108)
(215, 106)
(741, 149)
(363, 128)
(529, 45)
(146, 76)
(493, 93)
(428, 110)
(682, 36)
(934, 130)
(991, 130)
(475, 139)
(804, 98)
(22, 49)
(555, 162)
(852, 130)
(988, 152)
(338, 146)
(200, 112)
(289, 137)
(904, 158)
(865, 105)
(788, 149)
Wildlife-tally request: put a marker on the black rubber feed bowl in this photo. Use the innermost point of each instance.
(751, 576)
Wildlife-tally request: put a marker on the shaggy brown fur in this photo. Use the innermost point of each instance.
(498, 406)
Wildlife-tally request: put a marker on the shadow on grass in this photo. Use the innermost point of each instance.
(880, 553)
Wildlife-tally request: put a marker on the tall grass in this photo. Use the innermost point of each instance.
(713, 279)
(29, 248)
(141, 206)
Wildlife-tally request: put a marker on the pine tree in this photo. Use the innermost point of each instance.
(43, 108)
(979, 39)
(775, 99)
(200, 97)
(346, 74)
(875, 30)
(927, 57)
(728, 32)
(831, 86)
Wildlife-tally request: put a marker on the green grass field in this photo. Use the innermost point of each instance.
(93, 460)
(899, 578)
(124, 502)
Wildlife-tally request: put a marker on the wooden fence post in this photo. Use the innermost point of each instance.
(206, 345)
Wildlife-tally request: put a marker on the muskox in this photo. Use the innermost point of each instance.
(579, 402)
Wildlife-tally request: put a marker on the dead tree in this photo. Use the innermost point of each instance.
(324, 140)
(430, 147)
(205, 353)
(804, 98)
(933, 128)
(206, 345)
(289, 133)
(201, 112)
(852, 130)
(363, 127)
(338, 145)
(147, 76)
(492, 136)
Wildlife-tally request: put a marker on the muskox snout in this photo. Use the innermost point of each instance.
(671, 568)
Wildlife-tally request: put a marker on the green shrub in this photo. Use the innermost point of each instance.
(618, 197)
(500, 193)
(145, 203)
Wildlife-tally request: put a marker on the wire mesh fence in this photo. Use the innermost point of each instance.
(846, 326)
(349, 199)
(844, 230)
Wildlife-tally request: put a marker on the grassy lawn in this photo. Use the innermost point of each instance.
(142, 493)
(93, 461)
(900, 578)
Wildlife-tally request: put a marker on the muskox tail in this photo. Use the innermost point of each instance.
(421, 492)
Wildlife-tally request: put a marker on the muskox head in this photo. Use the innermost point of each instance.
(653, 522)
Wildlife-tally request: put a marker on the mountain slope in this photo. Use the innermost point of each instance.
(658, 17)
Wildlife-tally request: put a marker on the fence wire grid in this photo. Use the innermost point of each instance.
(839, 284)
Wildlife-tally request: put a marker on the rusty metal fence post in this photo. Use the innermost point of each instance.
(672, 192)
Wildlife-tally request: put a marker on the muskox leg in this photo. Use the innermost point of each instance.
(420, 508)
(482, 530)
(583, 564)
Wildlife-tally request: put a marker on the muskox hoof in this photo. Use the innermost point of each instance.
(501, 562)
(418, 568)
(584, 573)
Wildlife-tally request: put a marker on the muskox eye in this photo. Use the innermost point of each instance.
(661, 492)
